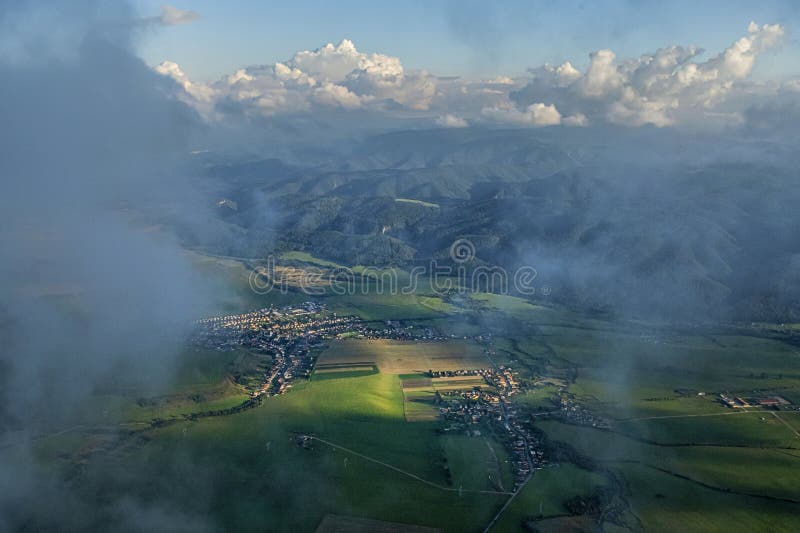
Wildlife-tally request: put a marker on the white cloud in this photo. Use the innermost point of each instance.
(665, 88)
(537, 114)
(331, 76)
(578, 119)
(286, 73)
(567, 73)
(172, 16)
(501, 80)
(737, 61)
(451, 121)
(543, 115)
(329, 63)
(668, 87)
(602, 76)
(336, 95)
(239, 75)
(199, 91)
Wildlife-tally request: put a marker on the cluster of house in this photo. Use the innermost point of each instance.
(455, 373)
(510, 378)
(398, 330)
(575, 413)
(288, 335)
(254, 319)
(238, 322)
(465, 410)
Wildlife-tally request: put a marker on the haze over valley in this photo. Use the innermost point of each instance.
(530, 266)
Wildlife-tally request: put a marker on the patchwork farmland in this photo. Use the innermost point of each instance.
(404, 357)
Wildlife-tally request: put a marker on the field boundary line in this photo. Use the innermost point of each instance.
(785, 423)
(405, 472)
(716, 488)
(507, 504)
(687, 416)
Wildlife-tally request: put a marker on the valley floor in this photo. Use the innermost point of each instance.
(630, 421)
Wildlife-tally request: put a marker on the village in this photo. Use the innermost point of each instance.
(467, 410)
(287, 335)
(512, 424)
(290, 335)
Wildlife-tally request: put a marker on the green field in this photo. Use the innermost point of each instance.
(684, 462)
(418, 405)
(477, 463)
(763, 478)
(667, 503)
(544, 496)
(269, 479)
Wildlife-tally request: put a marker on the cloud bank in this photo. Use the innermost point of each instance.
(668, 87)
(664, 88)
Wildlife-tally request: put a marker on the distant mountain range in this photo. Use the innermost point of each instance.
(644, 223)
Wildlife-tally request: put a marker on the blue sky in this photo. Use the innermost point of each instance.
(468, 38)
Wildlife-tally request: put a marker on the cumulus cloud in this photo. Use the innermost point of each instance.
(334, 63)
(196, 94)
(537, 114)
(664, 88)
(451, 121)
(566, 73)
(578, 119)
(336, 95)
(668, 87)
(171, 16)
(602, 76)
(200, 91)
(337, 76)
(502, 80)
(363, 76)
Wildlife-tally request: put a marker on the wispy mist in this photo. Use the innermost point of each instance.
(89, 296)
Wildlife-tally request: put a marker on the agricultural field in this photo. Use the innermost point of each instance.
(477, 463)
(341, 371)
(377, 456)
(405, 357)
(336, 524)
(762, 477)
(419, 393)
(668, 433)
(538, 398)
(229, 279)
(664, 502)
(376, 466)
(545, 495)
(376, 306)
(419, 405)
(458, 383)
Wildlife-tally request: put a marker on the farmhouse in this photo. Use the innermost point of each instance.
(772, 401)
(735, 403)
